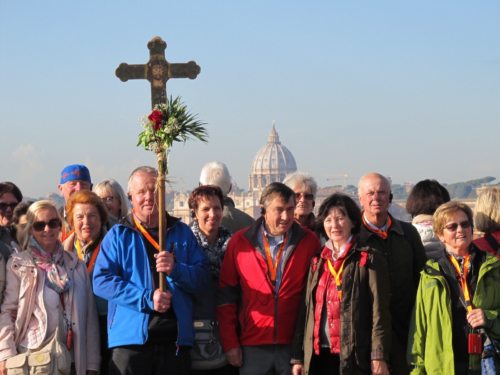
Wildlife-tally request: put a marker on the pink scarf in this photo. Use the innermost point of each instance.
(52, 264)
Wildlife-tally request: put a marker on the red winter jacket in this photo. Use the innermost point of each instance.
(249, 311)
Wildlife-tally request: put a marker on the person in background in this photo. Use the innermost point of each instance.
(216, 173)
(261, 283)
(206, 203)
(344, 326)
(423, 200)
(114, 199)
(457, 300)
(20, 219)
(305, 189)
(150, 331)
(87, 215)
(487, 220)
(405, 255)
(48, 289)
(10, 196)
(74, 177)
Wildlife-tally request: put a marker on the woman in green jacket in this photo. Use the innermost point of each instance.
(458, 300)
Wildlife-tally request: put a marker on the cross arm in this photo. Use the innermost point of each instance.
(135, 71)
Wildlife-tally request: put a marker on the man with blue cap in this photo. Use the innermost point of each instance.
(74, 177)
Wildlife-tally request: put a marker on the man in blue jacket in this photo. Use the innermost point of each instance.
(149, 331)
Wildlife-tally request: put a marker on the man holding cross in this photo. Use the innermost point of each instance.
(150, 330)
(261, 282)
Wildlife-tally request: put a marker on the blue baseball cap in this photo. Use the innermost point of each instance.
(75, 172)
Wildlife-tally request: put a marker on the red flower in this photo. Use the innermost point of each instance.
(156, 117)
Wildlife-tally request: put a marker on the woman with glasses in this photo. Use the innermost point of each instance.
(113, 197)
(305, 188)
(344, 326)
(10, 196)
(48, 293)
(458, 300)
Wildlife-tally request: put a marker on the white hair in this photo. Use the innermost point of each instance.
(216, 173)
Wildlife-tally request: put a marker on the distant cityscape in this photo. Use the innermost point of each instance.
(274, 161)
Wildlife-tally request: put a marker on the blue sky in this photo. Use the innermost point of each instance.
(407, 88)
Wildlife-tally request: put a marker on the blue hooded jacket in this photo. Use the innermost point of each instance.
(122, 275)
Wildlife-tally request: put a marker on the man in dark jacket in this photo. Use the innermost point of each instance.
(405, 254)
(261, 283)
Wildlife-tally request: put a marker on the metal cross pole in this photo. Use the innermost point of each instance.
(158, 71)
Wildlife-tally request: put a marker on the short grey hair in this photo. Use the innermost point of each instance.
(372, 175)
(299, 179)
(142, 169)
(216, 173)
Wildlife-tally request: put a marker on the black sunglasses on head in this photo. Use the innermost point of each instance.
(38, 226)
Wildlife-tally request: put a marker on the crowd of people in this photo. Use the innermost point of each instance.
(86, 288)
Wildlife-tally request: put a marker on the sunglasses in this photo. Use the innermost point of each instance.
(38, 226)
(4, 206)
(454, 226)
(307, 196)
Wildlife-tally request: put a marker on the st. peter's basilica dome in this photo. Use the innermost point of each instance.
(271, 163)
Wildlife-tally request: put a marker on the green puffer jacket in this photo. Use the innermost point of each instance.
(430, 340)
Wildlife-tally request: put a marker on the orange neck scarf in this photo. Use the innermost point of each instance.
(379, 232)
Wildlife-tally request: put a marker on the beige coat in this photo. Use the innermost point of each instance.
(23, 297)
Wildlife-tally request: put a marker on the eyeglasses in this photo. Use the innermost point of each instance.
(307, 196)
(38, 226)
(454, 226)
(109, 199)
(4, 205)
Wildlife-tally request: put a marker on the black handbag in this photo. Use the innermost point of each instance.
(207, 352)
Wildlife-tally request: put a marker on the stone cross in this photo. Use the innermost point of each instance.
(157, 71)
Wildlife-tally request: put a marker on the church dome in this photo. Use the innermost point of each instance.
(271, 163)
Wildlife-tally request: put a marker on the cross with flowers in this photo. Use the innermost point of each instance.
(169, 121)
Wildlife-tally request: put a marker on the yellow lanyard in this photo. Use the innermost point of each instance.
(91, 263)
(337, 276)
(145, 233)
(272, 267)
(463, 279)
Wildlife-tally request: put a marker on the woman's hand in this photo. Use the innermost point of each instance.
(476, 318)
(3, 369)
(379, 367)
(298, 369)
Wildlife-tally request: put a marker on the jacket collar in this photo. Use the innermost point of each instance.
(296, 233)
(128, 222)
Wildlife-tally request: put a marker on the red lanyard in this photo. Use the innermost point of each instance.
(381, 233)
(145, 233)
(463, 279)
(272, 267)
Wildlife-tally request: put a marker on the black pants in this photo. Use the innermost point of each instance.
(325, 363)
(150, 359)
(226, 370)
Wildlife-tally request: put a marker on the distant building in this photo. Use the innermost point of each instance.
(272, 163)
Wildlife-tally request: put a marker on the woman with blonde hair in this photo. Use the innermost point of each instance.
(113, 198)
(458, 301)
(48, 297)
(487, 220)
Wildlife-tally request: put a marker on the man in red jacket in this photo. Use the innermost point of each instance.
(261, 282)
